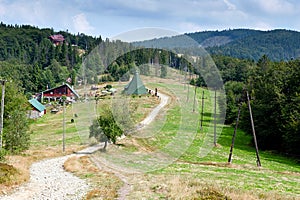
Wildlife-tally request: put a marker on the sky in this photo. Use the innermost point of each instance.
(109, 18)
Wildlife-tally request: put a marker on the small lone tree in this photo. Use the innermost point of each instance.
(104, 128)
(16, 136)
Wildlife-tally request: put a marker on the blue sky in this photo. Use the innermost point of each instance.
(112, 17)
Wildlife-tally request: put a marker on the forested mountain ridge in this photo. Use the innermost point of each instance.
(34, 62)
(250, 44)
(30, 44)
(219, 38)
(276, 44)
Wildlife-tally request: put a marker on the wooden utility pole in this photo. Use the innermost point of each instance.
(253, 130)
(184, 80)
(195, 94)
(64, 124)
(215, 120)
(2, 112)
(188, 92)
(202, 110)
(234, 134)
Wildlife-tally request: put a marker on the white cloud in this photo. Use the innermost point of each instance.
(44, 14)
(186, 27)
(277, 6)
(2, 9)
(229, 5)
(144, 34)
(262, 26)
(109, 17)
(81, 24)
(142, 5)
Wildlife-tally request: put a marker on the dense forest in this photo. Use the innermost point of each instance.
(274, 89)
(28, 56)
(246, 60)
(239, 43)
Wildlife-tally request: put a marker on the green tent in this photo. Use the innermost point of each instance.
(135, 86)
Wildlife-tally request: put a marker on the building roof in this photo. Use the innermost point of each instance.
(135, 86)
(37, 105)
(65, 84)
(57, 38)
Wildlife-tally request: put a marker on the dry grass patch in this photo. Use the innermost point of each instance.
(147, 186)
(7, 174)
(136, 144)
(187, 187)
(20, 165)
(104, 185)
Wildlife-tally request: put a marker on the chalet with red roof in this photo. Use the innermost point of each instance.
(57, 39)
(57, 92)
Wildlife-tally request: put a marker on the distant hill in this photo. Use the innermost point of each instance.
(277, 44)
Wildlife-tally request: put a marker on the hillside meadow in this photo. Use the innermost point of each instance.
(190, 176)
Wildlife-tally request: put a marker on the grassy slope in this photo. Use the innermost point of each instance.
(48, 130)
(278, 178)
(190, 176)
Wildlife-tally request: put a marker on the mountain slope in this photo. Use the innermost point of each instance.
(240, 43)
(277, 45)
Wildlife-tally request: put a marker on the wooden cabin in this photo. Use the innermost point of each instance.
(56, 93)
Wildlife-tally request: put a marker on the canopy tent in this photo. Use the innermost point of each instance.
(135, 86)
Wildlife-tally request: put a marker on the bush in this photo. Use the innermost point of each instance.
(3, 153)
(108, 87)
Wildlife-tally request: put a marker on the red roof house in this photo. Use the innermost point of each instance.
(57, 39)
(58, 92)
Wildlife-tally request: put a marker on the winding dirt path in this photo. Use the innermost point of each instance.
(49, 180)
(126, 188)
(163, 102)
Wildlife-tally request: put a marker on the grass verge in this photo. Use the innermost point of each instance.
(104, 185)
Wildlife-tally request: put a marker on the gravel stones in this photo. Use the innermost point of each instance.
(50, 181)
